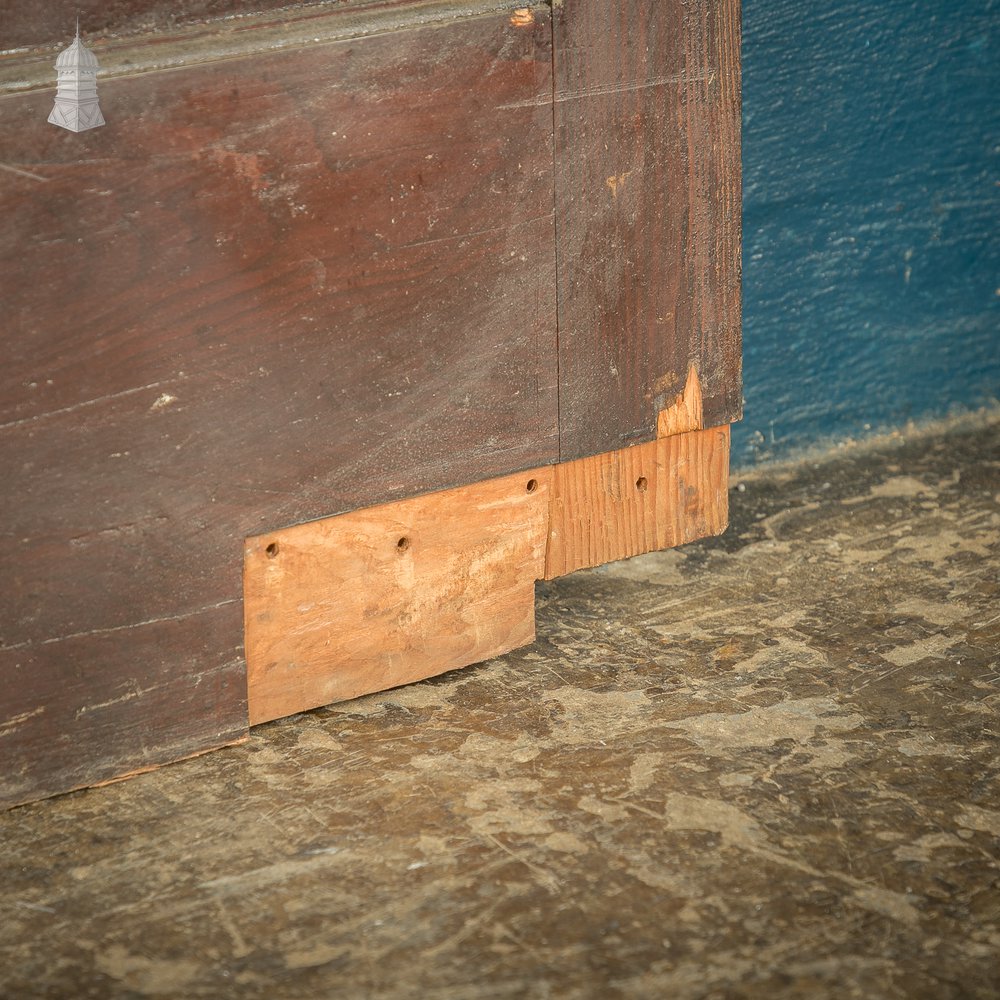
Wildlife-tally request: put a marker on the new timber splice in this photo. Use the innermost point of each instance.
(396, 593)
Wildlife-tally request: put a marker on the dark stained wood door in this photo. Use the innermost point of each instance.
(321, 258)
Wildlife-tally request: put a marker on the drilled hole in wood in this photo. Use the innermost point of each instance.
(641, 485)
(272, 550)
(532, 485)
(403, 544)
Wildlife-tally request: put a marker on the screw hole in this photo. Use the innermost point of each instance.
(532, 485)
(403, 544)
(272, 550)
(641, 485)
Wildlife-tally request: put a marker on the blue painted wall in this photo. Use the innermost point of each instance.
(871, 159)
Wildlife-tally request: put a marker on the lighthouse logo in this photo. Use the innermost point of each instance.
(76, 106)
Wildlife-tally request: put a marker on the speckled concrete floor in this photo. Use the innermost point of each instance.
(762, 766)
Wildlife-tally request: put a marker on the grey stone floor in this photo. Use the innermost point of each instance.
(766, 765)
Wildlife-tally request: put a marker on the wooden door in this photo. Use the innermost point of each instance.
(319, 260)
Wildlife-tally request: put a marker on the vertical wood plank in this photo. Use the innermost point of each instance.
(273, 288)
(647, 115)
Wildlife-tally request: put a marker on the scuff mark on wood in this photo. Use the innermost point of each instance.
(23, 173)
(615, 181)
(86, 403)
(31, 643)
(9, 725)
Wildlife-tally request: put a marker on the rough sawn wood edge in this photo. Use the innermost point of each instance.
(387, 595)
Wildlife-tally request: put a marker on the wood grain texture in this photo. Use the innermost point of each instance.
(647, 116)
(268, 290)
(392, 594)
(640, 499)
(95, 706)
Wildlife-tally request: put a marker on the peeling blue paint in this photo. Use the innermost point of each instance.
(871, 159)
